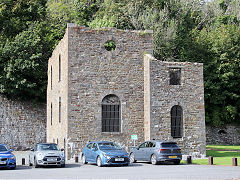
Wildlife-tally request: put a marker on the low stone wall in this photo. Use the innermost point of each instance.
(228, 135)
(22, 124)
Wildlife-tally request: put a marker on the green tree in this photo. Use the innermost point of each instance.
(24, 64)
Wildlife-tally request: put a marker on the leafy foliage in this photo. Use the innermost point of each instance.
(194, 30)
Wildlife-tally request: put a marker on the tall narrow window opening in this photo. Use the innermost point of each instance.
(176, 121)
(59, 109)
(111, 114)
(51, 77)
(59, 66)
(51, 114)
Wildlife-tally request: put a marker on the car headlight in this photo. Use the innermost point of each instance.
(12, 157)
(62, 155)
(40, 156)
(106, 156)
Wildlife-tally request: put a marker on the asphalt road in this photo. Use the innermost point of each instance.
(133, 172)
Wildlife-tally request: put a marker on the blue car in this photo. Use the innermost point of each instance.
(7, 159)
(104, 153)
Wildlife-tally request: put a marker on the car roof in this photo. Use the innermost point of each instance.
(100, 142)
(160, 141)
(46, 143)
(3, 144)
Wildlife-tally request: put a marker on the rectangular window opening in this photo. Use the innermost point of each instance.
(59, 66)
(175, 76)
(59, 109)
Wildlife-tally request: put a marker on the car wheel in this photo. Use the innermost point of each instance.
(84, 159)
(30, 164)
(99, 162)
(154, 159)
(132, 158)
(36, 164)
(177, 162)
(63, 165)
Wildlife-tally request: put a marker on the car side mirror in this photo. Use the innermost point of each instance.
(11, 150)
(94, 149)
(32, 149)
(137, 148)
(62, 149)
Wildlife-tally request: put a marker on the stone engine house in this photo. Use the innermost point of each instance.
(97, 93)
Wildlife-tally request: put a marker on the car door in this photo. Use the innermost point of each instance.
(149, 150)
(93, 154)
(140, 151)
(87, 152)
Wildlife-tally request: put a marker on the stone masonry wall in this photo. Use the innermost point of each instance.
(227, 135)
(189, 95)
(22, 124)
(57, 90)
(95, 72)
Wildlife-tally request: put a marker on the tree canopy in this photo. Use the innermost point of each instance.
(193, 30)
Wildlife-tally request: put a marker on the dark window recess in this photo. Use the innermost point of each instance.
(51, 114)
(59, 115)
(51, 77)
(59, 66)
(176, 121)
(111, 114)
(175, 76)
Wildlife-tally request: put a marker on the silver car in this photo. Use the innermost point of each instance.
(46, 154)
(156, 151)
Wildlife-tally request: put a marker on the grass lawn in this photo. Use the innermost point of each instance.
(220, 157)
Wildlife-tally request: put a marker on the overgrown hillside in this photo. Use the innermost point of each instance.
(192, 30)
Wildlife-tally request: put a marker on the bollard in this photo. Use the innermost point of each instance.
(210, 160)
(189, 159)
(76, 159)
(23, 161)
(234, 161)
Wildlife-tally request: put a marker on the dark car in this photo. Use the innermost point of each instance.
(156, 151)
(7, 159)
(104, 153)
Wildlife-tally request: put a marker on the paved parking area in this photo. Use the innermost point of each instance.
(133, 172)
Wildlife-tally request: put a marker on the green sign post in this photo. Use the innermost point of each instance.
(134, 137)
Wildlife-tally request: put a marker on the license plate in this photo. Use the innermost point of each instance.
(172, 156)
(2, 162)
(119, 159)
(52, 159)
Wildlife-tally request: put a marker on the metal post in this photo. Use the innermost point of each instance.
(234, 161)
(189, 159)
(210, 160)
(23, 161)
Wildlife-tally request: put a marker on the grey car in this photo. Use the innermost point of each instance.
(47, 154)
(156, 151)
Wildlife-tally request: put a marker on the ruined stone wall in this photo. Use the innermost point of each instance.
(57, 95)
(227, 135)
(95, 72)
(189, 95)
(22, 124)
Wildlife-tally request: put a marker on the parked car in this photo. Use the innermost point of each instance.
(7, 159)
(104, 153)
(47, 154)
(156, 151)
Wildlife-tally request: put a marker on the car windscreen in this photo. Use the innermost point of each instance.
(109, 146)
(169, 145)
(47, 147)
(3, 148)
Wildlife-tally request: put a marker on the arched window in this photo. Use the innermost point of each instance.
(111, 114)
(176, 121)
